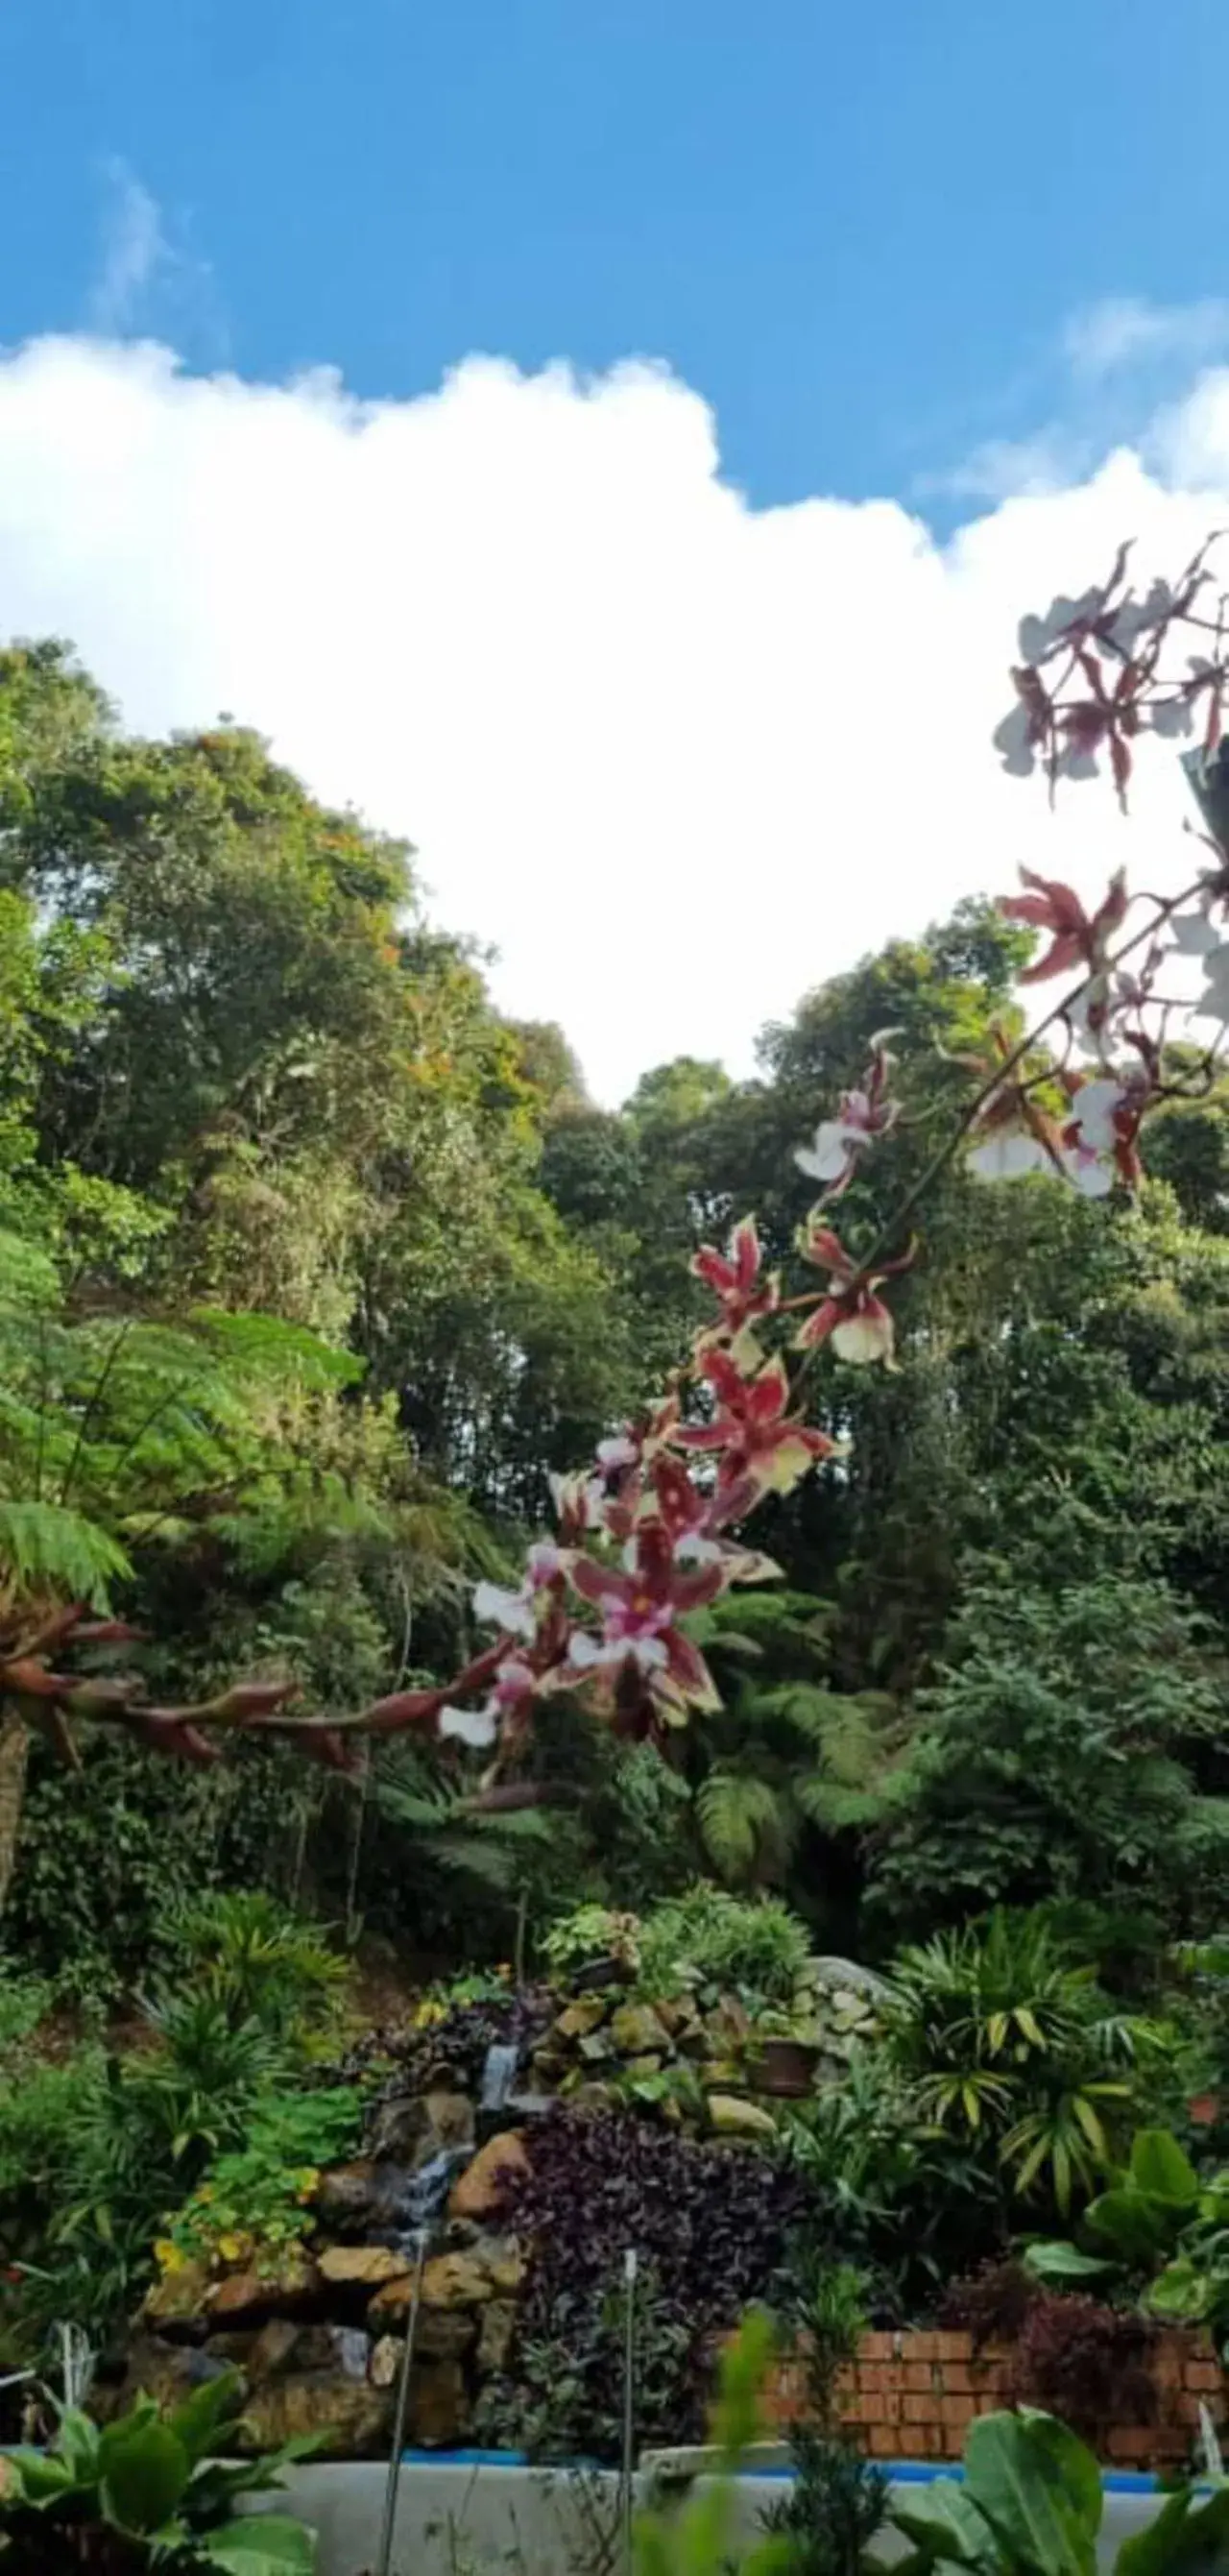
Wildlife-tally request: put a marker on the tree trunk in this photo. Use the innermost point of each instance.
(14, 1749)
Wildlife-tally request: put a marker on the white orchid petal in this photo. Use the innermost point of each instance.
(472, 1726)
(494, 1607)
(1089, 1175)
(1012, 739)
(825, 1159)
(1008, 1156)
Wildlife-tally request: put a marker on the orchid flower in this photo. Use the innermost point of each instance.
(864, 1115)
(640, 1608)
(1077, 940)
(758, 1442)
(852, 1316)
(734, 1277)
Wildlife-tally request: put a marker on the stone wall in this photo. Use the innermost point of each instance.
(914, 2396)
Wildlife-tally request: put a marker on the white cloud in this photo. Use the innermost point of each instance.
(1127, 332)
(134, 250)
(678, 759)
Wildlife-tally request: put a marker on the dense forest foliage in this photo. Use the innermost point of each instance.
(314, 1268)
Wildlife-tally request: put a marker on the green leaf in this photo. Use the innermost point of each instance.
(143, 2470)
(1055, 2260)
(199, 2420)
(1181, 2292)
(261, 2544)
(1159, 2167)
(943, 2522)
(1039, 2489)
(1138, 2227)
(1185, 2539)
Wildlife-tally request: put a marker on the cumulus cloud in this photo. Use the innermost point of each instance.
(678, 759)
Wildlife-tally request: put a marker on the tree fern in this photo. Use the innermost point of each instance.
(49, 1548)
(743, 1821)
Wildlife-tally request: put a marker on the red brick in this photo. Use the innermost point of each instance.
(1203, 2377)
(957, 2378)
(883, 2442)
(918, 2409)
(872, 2409)
(919, 2374)
(876, 2346)
(1130, 2442)
(921, 2347)
(955, 2347)
(956, 2412)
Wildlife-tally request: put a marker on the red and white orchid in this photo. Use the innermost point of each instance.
(640, 1608)
(853, 1316)
(759, 1444)
(864, 1115)
(734, 1278)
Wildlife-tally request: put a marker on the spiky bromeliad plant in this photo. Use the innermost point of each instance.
(649, 1533)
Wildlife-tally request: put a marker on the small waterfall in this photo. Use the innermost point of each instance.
(426, 2192)
(352, 2347)
(498, 2074)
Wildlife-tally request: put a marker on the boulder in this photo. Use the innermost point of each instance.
(504, 2262)
(176, 2303)
(291, 2283)
(637, 2032)
(438, 2414)
(445, 2334)
(362, 2266)
(166, 2371)
(413, 2128)
(733, 2117)
(448, 2281)
(483, 2186)
(350, 2415)
(578, 2019)
(496, 2335)
(385, 2361)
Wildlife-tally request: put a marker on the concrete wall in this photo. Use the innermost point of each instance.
(456, 2517)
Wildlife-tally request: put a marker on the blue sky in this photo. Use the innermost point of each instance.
(708, 657)
(859, 232)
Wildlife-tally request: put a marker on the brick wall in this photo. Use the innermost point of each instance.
(914, 2396)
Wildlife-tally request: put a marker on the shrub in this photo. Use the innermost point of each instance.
(711, 2226)
(752, 1946)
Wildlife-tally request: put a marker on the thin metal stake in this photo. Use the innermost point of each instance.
(400, 2412)
(627, 2497)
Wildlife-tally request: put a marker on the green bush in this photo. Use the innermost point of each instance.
(751, 1946)
(143, 2492)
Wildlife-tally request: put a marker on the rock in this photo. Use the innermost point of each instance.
(593, 2097)
(273, 2349)
(284, 2346)
(578, 2019)
(345, 2194)
(496, 2335)
(650, 2065)
(448, 2281)
(385, 2361)
(176, 2303)
(165, 2371)
(445, 2334)
(503, 2261)
(596, 2047)
(734, 2118)
(484, 2184)
(637, 2032)
(291, 2283)
(352, 2416)
(415, 2127)
(363, 2266)
(439, 2407)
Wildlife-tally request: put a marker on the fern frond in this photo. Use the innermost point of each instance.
(736, 1814)
(51, 1548)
